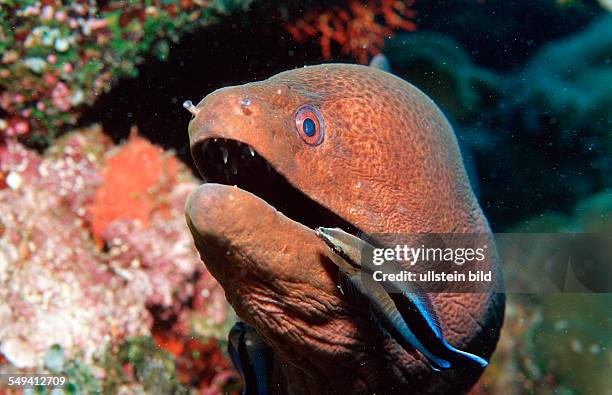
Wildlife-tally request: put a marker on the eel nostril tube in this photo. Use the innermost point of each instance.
(187, 104)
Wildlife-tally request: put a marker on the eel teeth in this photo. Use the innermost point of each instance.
(225, 154)
(251, 151)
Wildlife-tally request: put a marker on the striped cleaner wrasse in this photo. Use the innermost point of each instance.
(399, 308)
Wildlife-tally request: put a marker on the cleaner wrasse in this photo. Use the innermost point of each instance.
(399, 307)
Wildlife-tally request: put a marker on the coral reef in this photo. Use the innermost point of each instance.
(358, 28)
(134, 196)
(139, 366)
(75, 300)
(552, 343)
(59, 56)
(119, 274)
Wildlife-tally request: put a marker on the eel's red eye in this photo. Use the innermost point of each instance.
(309, 125)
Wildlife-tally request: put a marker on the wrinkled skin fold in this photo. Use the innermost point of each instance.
(388, 162)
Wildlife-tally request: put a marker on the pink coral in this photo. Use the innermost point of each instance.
(58, 286)
(16, 127)
(60, 97)
(53, 287)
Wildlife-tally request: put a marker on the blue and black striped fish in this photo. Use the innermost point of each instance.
(398, 307)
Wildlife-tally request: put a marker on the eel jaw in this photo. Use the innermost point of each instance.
(232, 162)
(277, 277)
(277, 274)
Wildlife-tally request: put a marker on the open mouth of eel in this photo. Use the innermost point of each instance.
(231, 162)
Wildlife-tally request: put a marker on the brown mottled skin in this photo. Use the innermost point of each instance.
(389, 162)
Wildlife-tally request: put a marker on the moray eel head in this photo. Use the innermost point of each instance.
(373, 138)
(281, 140)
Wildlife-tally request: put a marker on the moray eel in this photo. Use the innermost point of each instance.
(338, 146)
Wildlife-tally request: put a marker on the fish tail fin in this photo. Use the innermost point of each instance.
(461, 357)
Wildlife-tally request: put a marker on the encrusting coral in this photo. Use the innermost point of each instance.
(358, 28)
(75, 300)
(59, 56)
(119, 273)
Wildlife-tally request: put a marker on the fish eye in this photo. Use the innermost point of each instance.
(309, 125)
